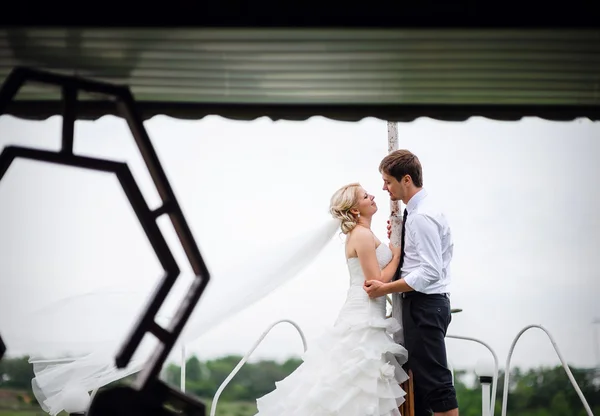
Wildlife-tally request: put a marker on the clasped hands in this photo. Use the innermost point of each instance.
(374, 288)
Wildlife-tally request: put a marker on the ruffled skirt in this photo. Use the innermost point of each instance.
(354, 369)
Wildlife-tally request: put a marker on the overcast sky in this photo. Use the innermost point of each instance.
(521, 197)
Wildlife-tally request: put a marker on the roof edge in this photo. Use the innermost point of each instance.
(93, 110)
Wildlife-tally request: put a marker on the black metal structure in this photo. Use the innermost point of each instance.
(2, 348)
(147, 388)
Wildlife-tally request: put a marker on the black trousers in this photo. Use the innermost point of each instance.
(425, 319)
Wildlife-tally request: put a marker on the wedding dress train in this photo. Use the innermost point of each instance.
(354, 369)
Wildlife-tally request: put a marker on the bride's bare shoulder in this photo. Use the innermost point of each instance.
(359, 237)
(360, 233)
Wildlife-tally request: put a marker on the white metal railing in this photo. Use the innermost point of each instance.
(495, 376)
(459, 337)
(182, 372)
(562, 360)
(213, 407)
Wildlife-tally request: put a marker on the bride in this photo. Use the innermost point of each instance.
(354, 369)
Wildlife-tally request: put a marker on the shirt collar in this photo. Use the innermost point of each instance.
(414, 201)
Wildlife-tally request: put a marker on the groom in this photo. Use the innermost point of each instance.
(422, 279)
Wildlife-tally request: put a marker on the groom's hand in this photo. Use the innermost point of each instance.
(374, 288)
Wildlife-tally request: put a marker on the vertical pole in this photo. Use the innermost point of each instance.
(395, 219)
(69, 94)
(182, 381)
(596, 323)
(485, 398)
(396, 235)
(392, 128)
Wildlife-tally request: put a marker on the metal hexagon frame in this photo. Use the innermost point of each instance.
(71, 85)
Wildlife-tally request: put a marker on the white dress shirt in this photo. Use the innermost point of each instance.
(428, 246)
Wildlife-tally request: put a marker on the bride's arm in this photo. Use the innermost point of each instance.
(365, 247)
(387, 273)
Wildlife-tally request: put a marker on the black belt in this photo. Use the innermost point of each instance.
(414, 293)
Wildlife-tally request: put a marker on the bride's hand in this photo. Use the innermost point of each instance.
(395, 250)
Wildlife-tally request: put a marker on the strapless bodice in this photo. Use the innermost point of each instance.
(357, 277)
(359, 310)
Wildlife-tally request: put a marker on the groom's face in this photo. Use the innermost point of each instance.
(393, 187)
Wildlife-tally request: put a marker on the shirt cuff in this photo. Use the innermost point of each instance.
(414, 281)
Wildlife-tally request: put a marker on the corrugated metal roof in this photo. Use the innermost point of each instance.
(196, 68)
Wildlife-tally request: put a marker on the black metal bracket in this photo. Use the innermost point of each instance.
(147, 383)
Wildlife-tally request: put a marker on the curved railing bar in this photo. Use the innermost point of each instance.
(213, 406)
(562, 360)
(496, 366)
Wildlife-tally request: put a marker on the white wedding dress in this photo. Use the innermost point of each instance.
(354, 369)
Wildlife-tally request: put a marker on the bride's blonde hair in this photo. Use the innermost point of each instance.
(342, 201)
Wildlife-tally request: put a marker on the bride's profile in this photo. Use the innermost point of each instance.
(353, 369)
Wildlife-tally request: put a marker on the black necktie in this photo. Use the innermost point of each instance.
(399, 270)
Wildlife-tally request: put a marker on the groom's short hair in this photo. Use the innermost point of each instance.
(402, 162)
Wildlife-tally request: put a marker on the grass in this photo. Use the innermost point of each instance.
(232, 408)
(12, 404)
(223, 409)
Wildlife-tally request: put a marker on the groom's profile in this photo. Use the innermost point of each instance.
(422, 280)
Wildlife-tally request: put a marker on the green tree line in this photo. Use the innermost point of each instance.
(534, 392)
